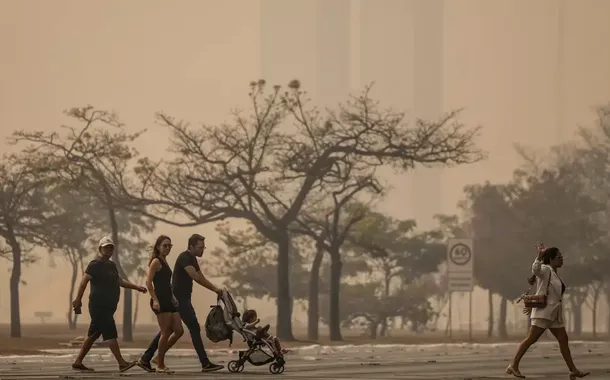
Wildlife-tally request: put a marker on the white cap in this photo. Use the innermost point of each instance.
(105, 241)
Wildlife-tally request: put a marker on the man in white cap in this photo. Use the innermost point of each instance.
(104, 297)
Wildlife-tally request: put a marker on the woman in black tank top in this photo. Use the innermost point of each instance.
(162, 301)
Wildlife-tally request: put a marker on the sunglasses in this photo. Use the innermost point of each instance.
(167, 245)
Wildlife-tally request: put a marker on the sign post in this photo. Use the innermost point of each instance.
(460, 272)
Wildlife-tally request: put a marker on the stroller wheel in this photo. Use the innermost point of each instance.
(234, 366)
(276, 368)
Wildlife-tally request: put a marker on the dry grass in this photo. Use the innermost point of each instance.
(45, 336)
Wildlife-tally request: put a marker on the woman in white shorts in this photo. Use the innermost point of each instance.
(544, 275)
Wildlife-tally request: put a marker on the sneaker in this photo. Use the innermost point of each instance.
(145, 366)
(211, 367)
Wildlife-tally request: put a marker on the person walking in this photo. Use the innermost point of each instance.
(104, 297)
(185, 272)
(162, 301)
(547, 281)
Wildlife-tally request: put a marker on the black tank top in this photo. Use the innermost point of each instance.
(163, 283)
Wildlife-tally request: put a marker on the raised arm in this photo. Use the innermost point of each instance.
(537, 268)
(199, 278)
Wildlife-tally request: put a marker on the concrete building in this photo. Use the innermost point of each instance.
(401, 51)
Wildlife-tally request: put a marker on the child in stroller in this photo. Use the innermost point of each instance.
(262, 349)
(250, 320)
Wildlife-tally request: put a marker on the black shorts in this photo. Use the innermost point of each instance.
(102, 322)
(165, 306)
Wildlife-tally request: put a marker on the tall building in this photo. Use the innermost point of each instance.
(401, 51)
(309, 41)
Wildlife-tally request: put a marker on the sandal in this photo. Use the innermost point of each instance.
(164, 370)
(510, 370)
(82, 368)
(127, 366)
(578, 374)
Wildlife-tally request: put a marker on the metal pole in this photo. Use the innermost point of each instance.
(470, 316)
(450, 315)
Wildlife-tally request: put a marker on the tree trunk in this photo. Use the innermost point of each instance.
(490, 322)
(284, 301)
(502, 332)
(135, 311)
(607, 291)
(127, 294)
(384, 327)
(334, 318)
(71, 315)
(14, 283)
(577, 314)
(313, 307)
(374, 325)
(596, 289)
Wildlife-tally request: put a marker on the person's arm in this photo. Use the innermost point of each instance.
(199, 278)
(153, 268)
(252, 324)
(538, 269)
(126, 284)
(78, 301)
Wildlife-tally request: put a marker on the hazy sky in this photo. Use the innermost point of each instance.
(507, 62)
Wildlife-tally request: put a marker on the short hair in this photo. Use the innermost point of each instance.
(194, 239)
(248, 315)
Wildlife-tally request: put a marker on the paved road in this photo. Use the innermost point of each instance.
(374, 363)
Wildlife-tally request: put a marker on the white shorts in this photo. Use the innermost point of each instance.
(547, 323)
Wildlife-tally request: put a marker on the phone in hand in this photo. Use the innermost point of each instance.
(78, 310)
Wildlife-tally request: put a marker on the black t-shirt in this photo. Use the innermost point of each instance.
(182, 283)
(105, 282)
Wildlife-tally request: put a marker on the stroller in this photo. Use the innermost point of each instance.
(259, 352)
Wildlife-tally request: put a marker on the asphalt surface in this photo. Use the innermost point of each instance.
(353, 362)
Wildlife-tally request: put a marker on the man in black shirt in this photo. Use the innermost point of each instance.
(186, 271)
(103, 300)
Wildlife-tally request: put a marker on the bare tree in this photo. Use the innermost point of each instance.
(94, 157)
(256, 169)
(27, 218)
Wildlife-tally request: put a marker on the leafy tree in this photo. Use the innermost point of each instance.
(27, 219)
(249, 266)
(593, 161)
(365, 304)
(254, 169)
(550, 205)
(94, 157)
(328, 223)
(391, 248)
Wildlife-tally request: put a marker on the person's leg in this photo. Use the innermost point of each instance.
(110, 336)
(534, 333)
(564, 347)
(165, 325)
(144, 361)
(152, 348)
(188, 316)
(92, 335)
(177, 330)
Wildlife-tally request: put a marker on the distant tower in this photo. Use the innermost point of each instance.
(287, 42)
(401, 50)
(559, 71)
(428, 99)
(309, 41)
